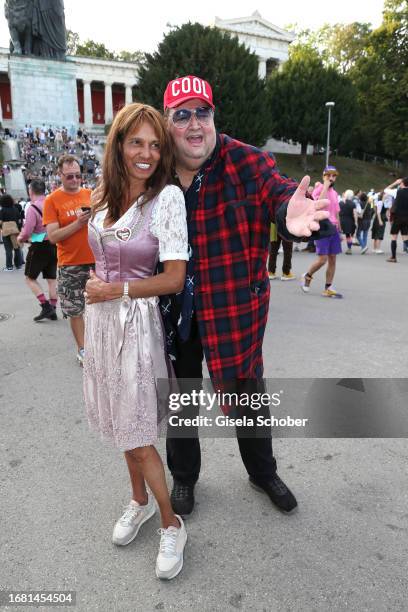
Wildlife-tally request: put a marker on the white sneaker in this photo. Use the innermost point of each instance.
(127, 527)
(170, 558)
(80, 356)
(305, 288)
(379, 252)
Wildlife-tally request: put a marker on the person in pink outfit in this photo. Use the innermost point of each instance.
(328, 248)
(42, 254)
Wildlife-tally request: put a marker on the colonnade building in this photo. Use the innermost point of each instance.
(89, 91)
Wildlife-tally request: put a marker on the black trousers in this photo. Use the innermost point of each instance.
(287, 255)
(10, 250)
(184, 454)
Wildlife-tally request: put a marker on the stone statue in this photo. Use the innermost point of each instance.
(19, 14)
(37, 27)
(49, 34)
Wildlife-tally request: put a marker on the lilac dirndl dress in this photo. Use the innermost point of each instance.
(125, 353)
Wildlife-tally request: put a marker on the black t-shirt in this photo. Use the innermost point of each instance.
(10, 213)
(346, 209)
(401, 203)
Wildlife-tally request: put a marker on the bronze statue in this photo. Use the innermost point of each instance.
(19, 14)
(37, 27)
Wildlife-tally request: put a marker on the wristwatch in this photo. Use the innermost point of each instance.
(125, 296)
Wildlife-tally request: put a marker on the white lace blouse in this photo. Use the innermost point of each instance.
(168, 223)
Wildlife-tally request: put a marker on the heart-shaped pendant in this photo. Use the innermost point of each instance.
(123, 234)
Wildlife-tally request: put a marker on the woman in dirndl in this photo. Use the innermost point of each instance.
(138, 219)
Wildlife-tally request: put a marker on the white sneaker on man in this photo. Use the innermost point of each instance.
(170, 558)
(127, 527)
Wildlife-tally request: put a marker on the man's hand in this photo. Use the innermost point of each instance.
(83, 218)
(327, 183)
(19, 241)
(96, 290)
(59, 234)
(304, 214)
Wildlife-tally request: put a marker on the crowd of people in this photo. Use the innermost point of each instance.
(40, 148)
(353, 214)
(165, 263)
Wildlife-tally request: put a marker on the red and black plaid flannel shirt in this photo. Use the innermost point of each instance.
(240, 193)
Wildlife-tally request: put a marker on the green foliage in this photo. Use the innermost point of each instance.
(377, 63)
(232, 71)
(339, 45)
(90, 48)
(134, 57)
(297, 95)
(72, 42)
(381, 77)
(354, 173)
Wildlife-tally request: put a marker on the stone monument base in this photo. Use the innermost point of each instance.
(43, 91)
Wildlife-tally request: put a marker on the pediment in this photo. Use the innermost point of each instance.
(254, 25)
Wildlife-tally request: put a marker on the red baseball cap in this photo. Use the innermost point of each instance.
(187, 88)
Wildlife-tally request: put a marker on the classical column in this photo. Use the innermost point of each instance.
(88, 114)
(128, 94)
(262, 68)
(108, 103)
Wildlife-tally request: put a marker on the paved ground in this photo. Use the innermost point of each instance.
(345, 548)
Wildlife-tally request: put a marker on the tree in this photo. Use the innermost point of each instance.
(381, 79)
(230, 68)
(339, 45)
(72, 42)
(90, 48)
(296, 100)
(376, 61)
(135, 57)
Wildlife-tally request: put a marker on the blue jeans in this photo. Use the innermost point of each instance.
(362, 236)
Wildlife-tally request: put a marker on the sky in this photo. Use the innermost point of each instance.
(132, 25)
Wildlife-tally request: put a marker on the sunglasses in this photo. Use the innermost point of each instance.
(70, 177)
(182, 117)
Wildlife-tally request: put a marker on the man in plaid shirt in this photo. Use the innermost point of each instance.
(233, 192)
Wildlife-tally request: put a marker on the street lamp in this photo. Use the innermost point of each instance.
(329, 105)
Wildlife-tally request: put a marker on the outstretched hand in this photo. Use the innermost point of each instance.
(304, 214)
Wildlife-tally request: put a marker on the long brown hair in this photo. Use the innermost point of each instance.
(114, 189)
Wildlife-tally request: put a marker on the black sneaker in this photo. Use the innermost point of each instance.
(278, 493)
(54, 317)
(182, 498)
(47, 312)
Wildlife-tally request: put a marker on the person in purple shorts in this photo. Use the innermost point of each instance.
(326, 248)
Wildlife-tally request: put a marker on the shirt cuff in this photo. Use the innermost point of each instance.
(171, 256)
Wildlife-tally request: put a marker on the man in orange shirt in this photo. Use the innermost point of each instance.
(66, 215)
